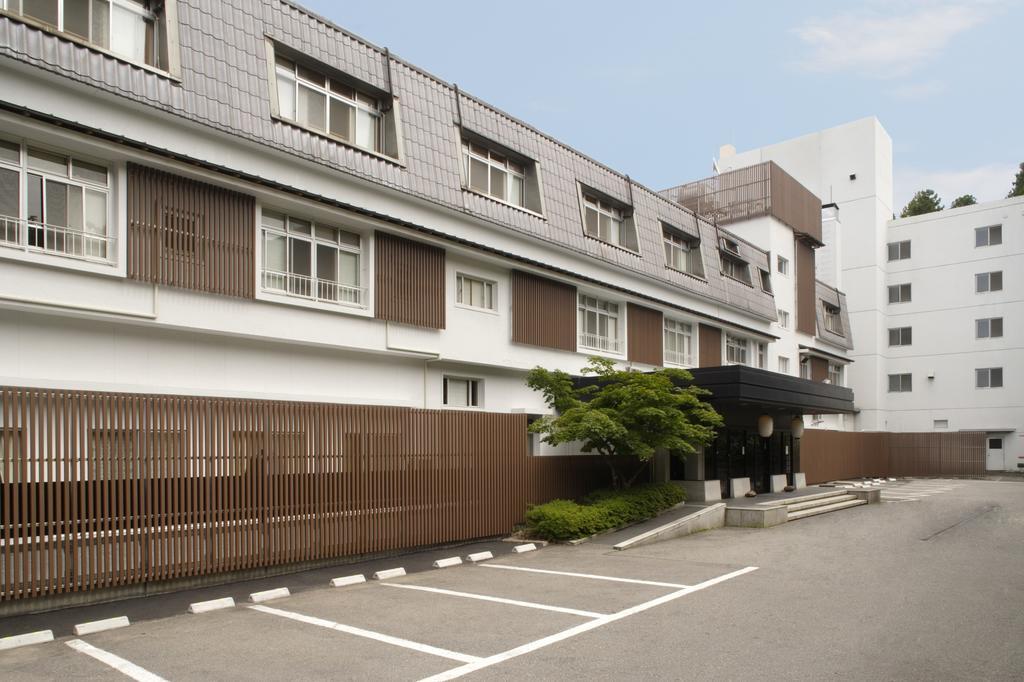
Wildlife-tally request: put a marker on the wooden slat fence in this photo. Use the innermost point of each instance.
(103, 490)
(833, 455)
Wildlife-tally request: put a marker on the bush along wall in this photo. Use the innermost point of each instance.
(562, 520)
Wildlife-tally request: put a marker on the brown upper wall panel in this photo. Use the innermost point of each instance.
(710, 340)
(794, 204)
(819, 368)
(188, 234)
(645, 335)
(806, 318)
(543, 312)
(409, 281)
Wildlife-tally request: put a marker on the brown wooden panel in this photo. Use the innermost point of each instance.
(710, 342)
(819, 368)
(794, 204)
(190, 234)
(409, 281)
(806, 320)
(543, 312)
(645, 334)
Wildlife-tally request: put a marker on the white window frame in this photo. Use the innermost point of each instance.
(783, 364)
(988, 324)
(904, 336)
(988, 231)
(494, 161)
(940, 423)
(328, 294)
(983, 377)
(835, 374)
(682, 331)
(610, 223)
(905, 381)
(902, 250)
(474, 389)
(735, 267)
(363, 106)
(805, 369)
(594, 308)
(782, 265)
(833, 320)
(490, 291)
(784, 319)
(17, 233)
(986, 278)
(742, 350)
(899, 288)
(682, 252)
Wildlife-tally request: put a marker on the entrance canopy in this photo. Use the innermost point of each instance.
(771, 391)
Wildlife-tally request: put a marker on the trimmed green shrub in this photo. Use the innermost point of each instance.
(601, 510)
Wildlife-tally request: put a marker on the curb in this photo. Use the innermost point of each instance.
(101, 625)
(267, 595)
(26, 639)
(211, 605)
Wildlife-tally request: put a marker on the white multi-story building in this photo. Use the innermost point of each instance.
(933, 299)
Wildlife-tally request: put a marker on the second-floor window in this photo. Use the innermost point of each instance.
(782, 265)
(988, 327)
(899, 293)
(328, 106)
(989, 377)
(599, 325)
(735, 268)
(900, 336)
(835, 374)
(988, 281)
(678, 343)
(743, 351)
(130, 29)
(899, 250)
(473, 292)
(901, 383)
(833, 318)
(784, 319)
(988, 236)
(311, 260)
(494, 174)
(607, 222)
(682, 252)
(54, 202)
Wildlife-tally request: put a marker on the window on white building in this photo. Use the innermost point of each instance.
(805, 369)
(899, 250)
(325, 105)
(131, 29)
(55, 203)
(835, 374)
(766, 281)
(989, 327)
(901, 383)
(740, 350)
(462, 392)
(494, 174)
(988, 281)
(784, 319)
(940, 423)
(988, 377)
(473, 292)
(782, 265)
(988, 236)
(678, 343)
(833, 318)
(899, 293)
(599, 325)
(608, 222)
(311, 260)
(783, 364)
(900, 336)
(736, 268)
(682, 252)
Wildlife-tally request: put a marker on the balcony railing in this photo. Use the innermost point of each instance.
(314, 289)
(673, 357)
(29, 235)
(596, 342)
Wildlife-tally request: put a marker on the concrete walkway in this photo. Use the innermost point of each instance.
(765, 499)
(650, 524)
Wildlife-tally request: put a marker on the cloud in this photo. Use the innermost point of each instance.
(886, 43)
(987, 183)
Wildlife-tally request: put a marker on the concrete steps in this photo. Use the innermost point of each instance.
(823, 507)
(801, 505)
(802, 499)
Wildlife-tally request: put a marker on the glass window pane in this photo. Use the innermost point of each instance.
(43, 10)
(47, 162)
(342, 119)
(458, 392)
(604, 229)
(273, 219)
(100, 23)
(996, 281)
(312, 108)
(307, 74)
(516, 192)
(478, 175)
(326, 262)
(996, 377)
(349, 238)
(95, 212)
(127, 33)
(9, 192)
(300, 226)
(35, 198)
(75, 207)
(458, 289)
(88, 172)
(996, 326)
(76, 17)
(628, 236)
(980, 236)
(498, 180)
(285, 94)
(56, 203)
(995, 235)
(366, 129)
(348, 268)
(301, 257)
(326, 233)
(591, 216)
(342, 89)
(274, 255)
(10, 151)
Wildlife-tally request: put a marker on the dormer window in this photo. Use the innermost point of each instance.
(735, 268)
(766, 280)
(609, 222)
(682, 252)
(833, 319)
(731, 246)
(494, 174)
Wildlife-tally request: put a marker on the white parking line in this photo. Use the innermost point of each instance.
(586, 575)
(114, 661)
(369, 634)
(579, 629)
(500, 600)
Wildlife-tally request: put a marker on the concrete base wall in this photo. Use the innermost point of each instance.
(748, 517)
(704, 519)
(701, 491)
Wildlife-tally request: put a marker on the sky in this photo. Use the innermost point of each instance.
(652, 89)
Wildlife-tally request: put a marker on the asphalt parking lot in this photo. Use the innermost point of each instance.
(929, 590)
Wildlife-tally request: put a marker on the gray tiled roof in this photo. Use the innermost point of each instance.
(224, 85)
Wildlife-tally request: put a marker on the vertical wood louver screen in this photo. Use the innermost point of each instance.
(409, 281)
(645, 329)
(819, 369)
(188, 234)
(543, 312)
(805, 290)
(710, 341)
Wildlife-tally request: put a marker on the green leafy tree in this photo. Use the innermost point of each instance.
(1018, 184)
(625, 413)
(925, 201)
(965, 200)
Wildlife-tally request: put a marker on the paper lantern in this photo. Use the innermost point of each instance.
(765, 425)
